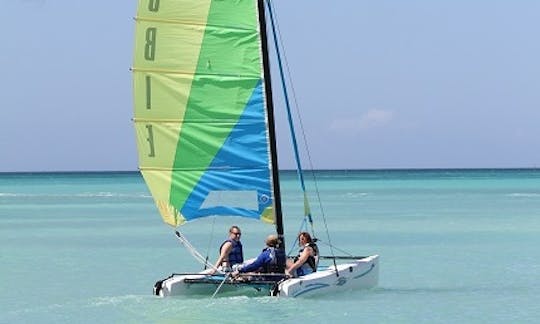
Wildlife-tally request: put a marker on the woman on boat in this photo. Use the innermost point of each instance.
(307, 259)
(230, 252)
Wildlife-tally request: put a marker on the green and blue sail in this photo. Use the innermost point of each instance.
(200, 109)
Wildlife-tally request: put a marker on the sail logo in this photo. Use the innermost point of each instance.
(264, 199)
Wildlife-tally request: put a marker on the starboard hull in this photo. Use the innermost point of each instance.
(354, 274)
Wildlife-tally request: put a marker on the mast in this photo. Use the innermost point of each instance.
(271, 124)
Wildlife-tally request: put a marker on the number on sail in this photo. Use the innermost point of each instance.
(150, 46)
(150, 140)
(153, 5)
(148, 93)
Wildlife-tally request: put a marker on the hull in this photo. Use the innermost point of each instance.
(354, 274)
(205, 285)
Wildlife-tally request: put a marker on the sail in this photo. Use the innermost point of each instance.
(199, 109)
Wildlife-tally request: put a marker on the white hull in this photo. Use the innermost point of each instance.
(354, 274)
(179, 285)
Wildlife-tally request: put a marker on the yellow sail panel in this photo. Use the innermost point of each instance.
(153, 140)
(268, 215)
(159, 182)
(187, 11)
(160, 44)
(307, 209)
(168, 41)
(161, 95)
(170, 33)
(155, 137)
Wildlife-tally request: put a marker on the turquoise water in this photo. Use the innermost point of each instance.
(455, 246)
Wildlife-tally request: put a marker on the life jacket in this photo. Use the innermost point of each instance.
(277, 264)
(311, 263)
(236, 256)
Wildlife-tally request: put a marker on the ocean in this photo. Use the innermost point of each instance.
(455, 246)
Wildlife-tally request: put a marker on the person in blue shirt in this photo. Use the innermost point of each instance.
(270, 260)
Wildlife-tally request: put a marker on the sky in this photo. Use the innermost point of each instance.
(379, 84)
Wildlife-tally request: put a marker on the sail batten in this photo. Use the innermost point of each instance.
(193, 24)
(200, 109)
(235, 76)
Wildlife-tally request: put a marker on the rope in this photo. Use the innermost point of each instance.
(193, 251)
(277, 36)
(338, 249)
(221, 284)
(273, 23)
(210, 241)
(293, 246)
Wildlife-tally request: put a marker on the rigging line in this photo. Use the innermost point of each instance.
(298, 116)
(304, 137)
(192, 250)
(210, 241)
(296, 239)
(190, 247)
(221, 284)
(338, 249)
(288, 106)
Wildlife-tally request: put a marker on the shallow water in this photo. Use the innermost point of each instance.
(455, 246)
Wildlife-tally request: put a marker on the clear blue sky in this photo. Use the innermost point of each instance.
(380, 84)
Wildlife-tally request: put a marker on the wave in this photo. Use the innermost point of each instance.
(76, 195)
(524, 194)
(448, 289)
(356, 194)
(7, 194)
(116, 300)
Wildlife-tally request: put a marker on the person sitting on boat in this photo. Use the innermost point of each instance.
(270, 260)
(230, 251)
(307, 259)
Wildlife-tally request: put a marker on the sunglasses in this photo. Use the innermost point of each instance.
(236, 233)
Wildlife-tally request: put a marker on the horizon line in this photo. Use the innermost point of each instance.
(288, 170)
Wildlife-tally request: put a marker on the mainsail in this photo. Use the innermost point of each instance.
(200, 109)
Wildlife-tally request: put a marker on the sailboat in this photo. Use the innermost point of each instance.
(205, 130)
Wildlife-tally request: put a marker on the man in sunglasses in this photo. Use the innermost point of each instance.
(230, 252)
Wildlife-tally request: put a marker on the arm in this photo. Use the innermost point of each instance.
(263, 258)
(301, 260)
(224, 254)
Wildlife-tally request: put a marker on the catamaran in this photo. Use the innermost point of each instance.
(205, 130)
